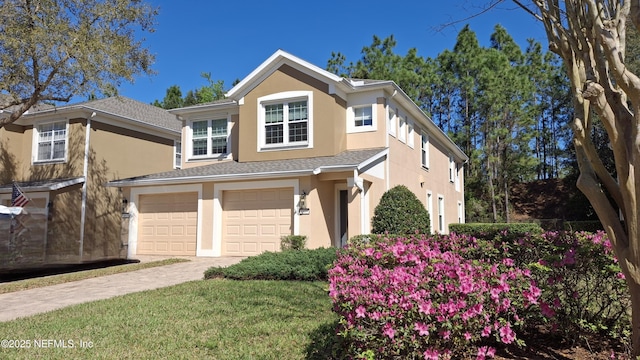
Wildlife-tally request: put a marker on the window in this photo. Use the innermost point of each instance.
(402, 129)
(410, 133)
(209, 138)
(452, 169)
(430, 210)
(285, 122)
(460, 213)
(51, 141)
(363, 116)
(177, 150)
(425, 150)
(441, 214)
(391, 121)
(457, 177)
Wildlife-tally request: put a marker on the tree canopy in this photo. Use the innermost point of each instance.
(213, 90)
(54, 50)
(506, 107)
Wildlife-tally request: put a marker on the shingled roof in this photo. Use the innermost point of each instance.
(133, 110)
(230, 170)
(119, 106)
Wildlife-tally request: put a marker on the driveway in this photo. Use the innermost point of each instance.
(34, 301)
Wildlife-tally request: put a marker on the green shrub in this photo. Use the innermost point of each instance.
(505, 231)
(293, 242)
(400, 212)
(304, 265)
(590, 226)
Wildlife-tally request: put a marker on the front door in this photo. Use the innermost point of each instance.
(343, 216)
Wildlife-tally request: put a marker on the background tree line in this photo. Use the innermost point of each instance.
(508, 108)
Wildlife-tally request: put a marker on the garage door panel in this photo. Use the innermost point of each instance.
(168, 224)
(254, 220)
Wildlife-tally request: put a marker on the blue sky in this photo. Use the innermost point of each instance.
(230, 39)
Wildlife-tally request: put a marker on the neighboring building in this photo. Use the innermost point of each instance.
(293, 149)
(63, 156)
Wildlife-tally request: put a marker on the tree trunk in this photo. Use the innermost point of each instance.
(634, 291)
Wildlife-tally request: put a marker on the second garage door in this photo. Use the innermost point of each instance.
(168, 224)
(254, 220)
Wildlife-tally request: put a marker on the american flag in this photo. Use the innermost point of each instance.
(18, 198)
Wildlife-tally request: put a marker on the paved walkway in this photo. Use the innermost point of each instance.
(34, 301)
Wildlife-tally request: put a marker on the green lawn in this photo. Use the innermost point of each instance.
(214, 319)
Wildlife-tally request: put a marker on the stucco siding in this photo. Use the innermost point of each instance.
(328, 116)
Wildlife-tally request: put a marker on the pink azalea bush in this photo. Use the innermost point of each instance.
(583, 288)
(418, 297)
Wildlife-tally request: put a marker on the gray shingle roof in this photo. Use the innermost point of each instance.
(134, 110)
(346, 160)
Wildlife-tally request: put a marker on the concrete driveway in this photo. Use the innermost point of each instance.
(34, 301)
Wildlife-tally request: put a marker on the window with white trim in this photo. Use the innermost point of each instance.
(177, 151)
(410, 134)
(209, 138)
(452, 169)
(460, 213)
(391, 119)
(424, 149)
(402, 129)
(285, 122)
(430, 210)
(363, 116)
(51, 140)
(441, 214)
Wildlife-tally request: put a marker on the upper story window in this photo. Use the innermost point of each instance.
(402, 129)
(51, 140)
(177, 151)
(424, 149)
(452, 169)
(391, 118)
(208, 138)
(285, 120)
(363, 116)
(410, 135)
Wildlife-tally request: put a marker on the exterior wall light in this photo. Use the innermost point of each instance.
(303, 209)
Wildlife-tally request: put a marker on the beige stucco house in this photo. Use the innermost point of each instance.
(293, 149)
(62, 157)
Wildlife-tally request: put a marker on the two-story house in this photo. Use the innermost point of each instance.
(62, 157)
(293, 149)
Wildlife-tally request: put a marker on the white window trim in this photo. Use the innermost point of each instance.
(441, 211)
(177, 150)
(402, 128)
(35, 142)
(452, 169)
(430, 210)
(457, 177)
(351, 119)
(410, 133)
(460, 213)
(188, 147)
(287, 96)
(424, 147)
(392, 121)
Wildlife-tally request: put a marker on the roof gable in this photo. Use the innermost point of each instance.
(272, 64)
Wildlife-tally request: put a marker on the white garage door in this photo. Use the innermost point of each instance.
(254, 220)
(168, 224)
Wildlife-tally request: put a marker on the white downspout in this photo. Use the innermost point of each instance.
(85, 173)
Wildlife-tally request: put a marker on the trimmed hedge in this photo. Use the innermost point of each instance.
(589, 226)
(506, 231)
(304, 265)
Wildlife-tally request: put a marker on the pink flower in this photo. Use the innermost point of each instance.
(425, 307)
(430, 354)
(547, 310)
(467, 336)
(422, 328)
(507, 335)
(361, 312)
(389, 331)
